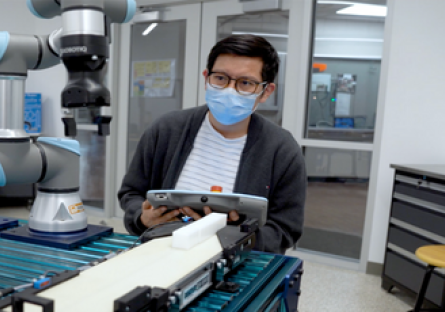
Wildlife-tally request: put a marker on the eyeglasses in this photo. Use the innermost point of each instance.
(243, 86)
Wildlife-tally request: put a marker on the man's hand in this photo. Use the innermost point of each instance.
(151, 216)
(232, 216)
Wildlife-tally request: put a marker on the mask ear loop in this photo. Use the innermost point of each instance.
(264, 89)
(261, 94)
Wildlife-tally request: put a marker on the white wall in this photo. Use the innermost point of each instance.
(16, 18)
(411, 110)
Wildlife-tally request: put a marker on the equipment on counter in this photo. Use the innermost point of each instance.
(221, 273)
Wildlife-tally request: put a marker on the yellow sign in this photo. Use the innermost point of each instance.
(154, 78)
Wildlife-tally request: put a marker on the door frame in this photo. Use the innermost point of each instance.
(191, 13)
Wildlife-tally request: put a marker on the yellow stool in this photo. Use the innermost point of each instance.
(434, 256)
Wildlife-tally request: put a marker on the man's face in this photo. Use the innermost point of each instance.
(242, 67)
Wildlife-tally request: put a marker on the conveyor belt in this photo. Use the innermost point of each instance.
(254, 275)
(21, 263)
(261, 276)
(245, 275)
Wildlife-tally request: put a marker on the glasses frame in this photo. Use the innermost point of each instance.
(236, 83)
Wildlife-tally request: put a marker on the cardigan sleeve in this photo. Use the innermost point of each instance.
(284, 224)
(155, 164)
(135, 184)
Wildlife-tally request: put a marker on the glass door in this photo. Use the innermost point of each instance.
(338, 133)
(92, 161)
(160, 74)
(95, 155)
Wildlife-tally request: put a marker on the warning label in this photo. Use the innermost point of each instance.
(76, 208)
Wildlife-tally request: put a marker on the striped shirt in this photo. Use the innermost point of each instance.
(214, 160)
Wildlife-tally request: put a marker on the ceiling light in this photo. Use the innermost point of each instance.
(149, 29)
(260, 34)
(336, 2)
(365, 10)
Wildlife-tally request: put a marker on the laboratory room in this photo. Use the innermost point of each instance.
(222, 155)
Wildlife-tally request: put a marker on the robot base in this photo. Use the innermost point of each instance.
(67, 241)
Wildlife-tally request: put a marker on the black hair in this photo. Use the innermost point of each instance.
(248, 45)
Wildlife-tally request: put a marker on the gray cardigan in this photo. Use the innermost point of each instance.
(271, 166)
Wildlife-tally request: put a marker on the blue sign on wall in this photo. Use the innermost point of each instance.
(33, 113)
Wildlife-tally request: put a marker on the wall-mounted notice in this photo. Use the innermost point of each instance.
(153, 78)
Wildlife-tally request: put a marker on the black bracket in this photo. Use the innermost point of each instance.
(103, 123)
(143, 298)
(30, 293)
(229, 287)
(237, 241)
(70, 127)
(20, 298)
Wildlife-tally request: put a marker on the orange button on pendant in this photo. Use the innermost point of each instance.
(216, 189)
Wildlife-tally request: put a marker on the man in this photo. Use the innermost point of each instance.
(225, 144)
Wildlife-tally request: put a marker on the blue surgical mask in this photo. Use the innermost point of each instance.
(228, 106)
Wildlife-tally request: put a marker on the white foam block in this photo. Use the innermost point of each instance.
(197, 232)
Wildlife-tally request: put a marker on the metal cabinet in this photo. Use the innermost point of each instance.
(417, 218)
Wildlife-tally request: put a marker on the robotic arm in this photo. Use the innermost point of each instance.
(20, 53)
(53, 163)
(82, 45)
(84, 41)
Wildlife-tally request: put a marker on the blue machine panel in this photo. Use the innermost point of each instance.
(69, 242)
